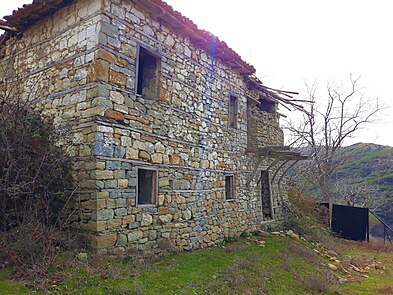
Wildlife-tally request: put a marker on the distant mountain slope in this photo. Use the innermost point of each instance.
(372, 164)
(368, 163)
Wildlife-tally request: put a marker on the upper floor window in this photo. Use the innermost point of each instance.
(229, 187)
(232, 112)
(147, 74)
(266, 104)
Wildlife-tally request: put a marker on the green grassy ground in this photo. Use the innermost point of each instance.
(10, 288)
(379, 281)
(283, 266)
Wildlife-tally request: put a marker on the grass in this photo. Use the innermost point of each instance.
(8, 287)
(380, 281)
(248, 267)
(282, 266)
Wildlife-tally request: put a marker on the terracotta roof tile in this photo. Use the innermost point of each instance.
(29, 14)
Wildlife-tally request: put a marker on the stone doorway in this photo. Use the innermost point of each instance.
(266, 195)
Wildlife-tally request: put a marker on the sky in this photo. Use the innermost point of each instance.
(291, 43)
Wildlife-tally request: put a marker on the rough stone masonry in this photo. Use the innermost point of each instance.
(161, 122)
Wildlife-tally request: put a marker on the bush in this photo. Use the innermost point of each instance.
(307, 218)
(308, 206)
(34, 180)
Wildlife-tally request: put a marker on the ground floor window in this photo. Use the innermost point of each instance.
(147, 186)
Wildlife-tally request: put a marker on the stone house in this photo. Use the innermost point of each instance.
(172, 137)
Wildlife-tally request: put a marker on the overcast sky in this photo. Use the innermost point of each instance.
(291, 42)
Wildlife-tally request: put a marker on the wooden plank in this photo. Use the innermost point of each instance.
(255, 170)
(279, 168)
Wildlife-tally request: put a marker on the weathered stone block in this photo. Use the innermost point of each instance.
(117, 97)
(128, 219)
(98, 71)
(103, 214)
(119, 174)
(135, 235)
(115, 115)
(109, 30)
(163, 210)
(156, 158)
(163, 181)
(117, 78)
(122, 183)
(103, 149)
(146, 220)
(121, 240)
(121, 212)
(104, 241)
(132, 153)
(94, 111)
(114, 223)
(102, 174)
(165, 218)
(180, 200)
(187, 214)
(114, 42)
(204, 164)
(144, 155)
(112, 165)
(100, 195)
(175, 159)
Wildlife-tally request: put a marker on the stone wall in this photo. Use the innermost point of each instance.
(88, 75)
(263, 128)
(51, 66)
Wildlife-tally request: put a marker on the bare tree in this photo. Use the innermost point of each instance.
(357, 194)
(330, 120)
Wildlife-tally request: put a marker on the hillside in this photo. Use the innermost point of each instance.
(273, 264)
(368, 163)
(371, 164)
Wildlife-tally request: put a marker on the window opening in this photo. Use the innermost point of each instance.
(147, 79)
(147, 186)
(232, 113)
(229, 187)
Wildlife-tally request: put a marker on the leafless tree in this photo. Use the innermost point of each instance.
(357, 194)
(331, 119)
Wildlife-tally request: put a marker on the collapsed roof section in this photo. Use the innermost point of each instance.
(281, 97)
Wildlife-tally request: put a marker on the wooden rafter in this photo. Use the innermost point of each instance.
(282, 97)
(278, 154)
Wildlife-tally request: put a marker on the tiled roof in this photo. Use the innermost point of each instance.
(29, 14)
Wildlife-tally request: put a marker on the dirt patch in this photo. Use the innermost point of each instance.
(386, 290)
(235, 246)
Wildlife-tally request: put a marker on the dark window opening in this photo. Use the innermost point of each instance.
(147, 186)
(232, 113)
(229, 187)
(147, 79)
(266, 195)
(267, 106)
